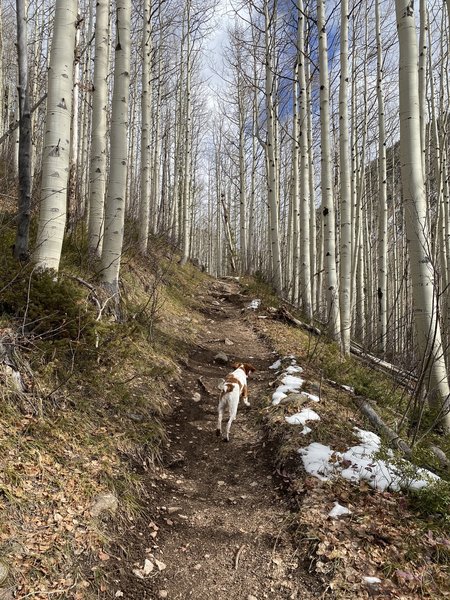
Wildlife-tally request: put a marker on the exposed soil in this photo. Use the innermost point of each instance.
(219, 521)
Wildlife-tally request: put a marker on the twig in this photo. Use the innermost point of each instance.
(238, 556)
(202, 385)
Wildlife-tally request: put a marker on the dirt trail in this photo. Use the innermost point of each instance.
(222, 525)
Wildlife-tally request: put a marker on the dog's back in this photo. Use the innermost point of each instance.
(231, 389)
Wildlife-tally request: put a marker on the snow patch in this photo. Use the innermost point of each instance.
(371, 580)
(276, 365)
(358, 464)
(254, 304)
(339, 511)
(302, 417)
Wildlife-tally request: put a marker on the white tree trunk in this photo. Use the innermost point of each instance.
(305, 189)
(55, 161)
(115, 200)
(415, 206)
(382, 195)
(272, 183)
(328, 217)
(146, 109)
(98, 162)
(344, 154)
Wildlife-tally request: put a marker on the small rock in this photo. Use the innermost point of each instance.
(173, 509)
(228, 342)
(148, 567)
(196, 397)
(221, 357)
(118, 594)
(163, 593)
(161, 566)
(277, 561)
(251, 597)
(135, 417)
(197, 567)
(104, 502)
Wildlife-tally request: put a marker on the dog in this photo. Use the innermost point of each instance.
(231, 389)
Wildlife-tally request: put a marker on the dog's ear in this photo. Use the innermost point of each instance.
(249, 368)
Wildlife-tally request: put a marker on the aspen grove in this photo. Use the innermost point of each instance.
(302, 142)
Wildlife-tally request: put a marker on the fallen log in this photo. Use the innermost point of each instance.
(282, 314)
(406, 378)
(392, 436)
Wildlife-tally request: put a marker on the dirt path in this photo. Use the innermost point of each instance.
(222, 525)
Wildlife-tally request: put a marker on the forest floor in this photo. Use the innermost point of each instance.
(222, 521)
(130, 420)
(243, 520)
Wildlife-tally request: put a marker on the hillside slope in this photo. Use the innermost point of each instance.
(115, 485)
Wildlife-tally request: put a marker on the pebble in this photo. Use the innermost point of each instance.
(163, 593)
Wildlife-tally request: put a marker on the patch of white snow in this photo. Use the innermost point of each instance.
(338, 511)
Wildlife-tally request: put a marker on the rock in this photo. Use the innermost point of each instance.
(135, 417)
(196, 397)
(228, 342)
(104, 502)
(163, 593)
(197, 567)
(251, 597)
(148, 567)
(173, 509)
(161, 566)
(4, 572)
(221, 357)
(294, 397)
(118, 594)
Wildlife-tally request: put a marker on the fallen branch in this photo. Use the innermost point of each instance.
(406, 379)
(284, 315)
(238, 556)
(392, 436)
(202, 385)
(441, 456)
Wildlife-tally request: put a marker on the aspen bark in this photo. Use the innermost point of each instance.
(115, 200)
(146, 100)
(305, 189)
(98, 162)
(415, 206)
(328, 216)
(344, 155)
(25, 150)
(185, 192)
(270, 149)
(382, 195)
(55, 161)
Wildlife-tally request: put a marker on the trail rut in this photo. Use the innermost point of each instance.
(221, 525)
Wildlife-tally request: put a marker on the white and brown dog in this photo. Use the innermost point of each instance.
(231, 389)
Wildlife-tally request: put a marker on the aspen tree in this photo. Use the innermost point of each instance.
(115, 199)
(25, 149)
(187, 141)
(345, 206)
(424, 293)
(305, 189)
(382, 194)
(328, 217)
(270, 149)
(98, 161)
(242, 171)
(146, 102)
(55, 161)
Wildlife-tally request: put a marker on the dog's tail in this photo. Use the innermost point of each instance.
(225, 387)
